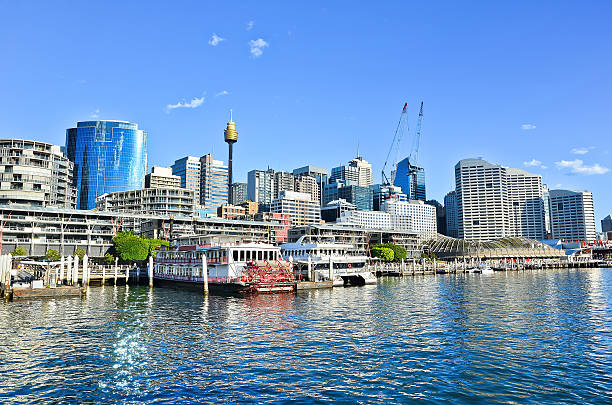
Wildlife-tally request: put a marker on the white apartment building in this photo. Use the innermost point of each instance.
(162, 177)
(366, 219)
(300, 207)
(283, 181)
(572, 216)
(154, 201)
(413, 215)
(494, 201)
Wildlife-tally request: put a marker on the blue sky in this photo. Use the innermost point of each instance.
(523, 84)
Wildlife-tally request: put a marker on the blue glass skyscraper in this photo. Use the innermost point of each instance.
(108, 156)
(411, 179)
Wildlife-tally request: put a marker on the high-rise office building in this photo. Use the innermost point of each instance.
(606, 224)
(213, 183)
(440, 215)
(239, 193)
(283, 181)
(35, 174)
(411, 179)
(309, 185)
(452, 214)
(357, 172)
(572, 216)
(188, 169)
(360, 196)
(381, 192)
(162, 177)
(494, 201)
(260, 187)
(546, 199)
(108, 156)
(320, 174)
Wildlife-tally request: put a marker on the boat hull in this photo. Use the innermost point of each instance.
(226, 288)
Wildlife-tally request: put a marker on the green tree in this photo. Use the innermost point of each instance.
(52, 255)
(109, 258)
(19, 251)
(131, 247)
(383, 253)
(399, 253)
(80, 252)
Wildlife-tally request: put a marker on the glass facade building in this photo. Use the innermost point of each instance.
(108, 156)
(411, 179)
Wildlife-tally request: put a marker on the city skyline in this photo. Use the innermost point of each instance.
(539, 105)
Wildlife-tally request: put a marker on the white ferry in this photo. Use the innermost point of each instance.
(232, 267)
(328, 261)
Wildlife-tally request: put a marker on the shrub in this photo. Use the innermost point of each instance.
(80, 252)
(19, 251)
(52, 255)
(383, 253)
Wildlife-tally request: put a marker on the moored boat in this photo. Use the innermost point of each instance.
(231, 268)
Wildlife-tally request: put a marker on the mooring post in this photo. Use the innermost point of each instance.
(116, 263)
(331, 269)
(76, 270)
(85, 271)
(423, 262)
(310, 272)
(61, 274)
(103, 275)
(151, 271)
(69, 270)
(205, 273)
(127, 274)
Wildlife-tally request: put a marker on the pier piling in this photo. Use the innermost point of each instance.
(205, 274)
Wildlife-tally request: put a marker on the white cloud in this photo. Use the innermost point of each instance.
(215, 40)
(95, 114)
(527, 127)
(577, 166)
(222, 93)
(581, 151)
(257, 47)
(250, 25)
(194, 103)
(533, 163)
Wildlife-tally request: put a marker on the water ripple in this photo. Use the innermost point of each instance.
(537, 337)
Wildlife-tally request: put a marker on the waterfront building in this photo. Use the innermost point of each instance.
(309, 185)
(494, 201)
(381, 192)
(572, 216)
(161, 177)
(413, 215)
(299, 206)
(606, 224)
(230, 211)
(39, 229)
(334, 209)
(239, 193)
(283, 181)
(452, 214)
(154, 201)
(260, 187)
(188, 169)
(358, 172)
(35, 174)
(371, 219)
(213, 183)
(411, 179)
(108, 156)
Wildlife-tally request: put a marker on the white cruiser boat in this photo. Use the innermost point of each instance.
(481, 268)
(232, 267)
(328, 261)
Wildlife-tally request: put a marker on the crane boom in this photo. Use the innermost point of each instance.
(414, 153)
(402, 126)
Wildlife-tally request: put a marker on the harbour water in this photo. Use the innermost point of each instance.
(515, 337)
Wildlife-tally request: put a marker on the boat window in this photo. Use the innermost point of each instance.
(235, 255)
(259, 255)
(265, 255)
(242, 255)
